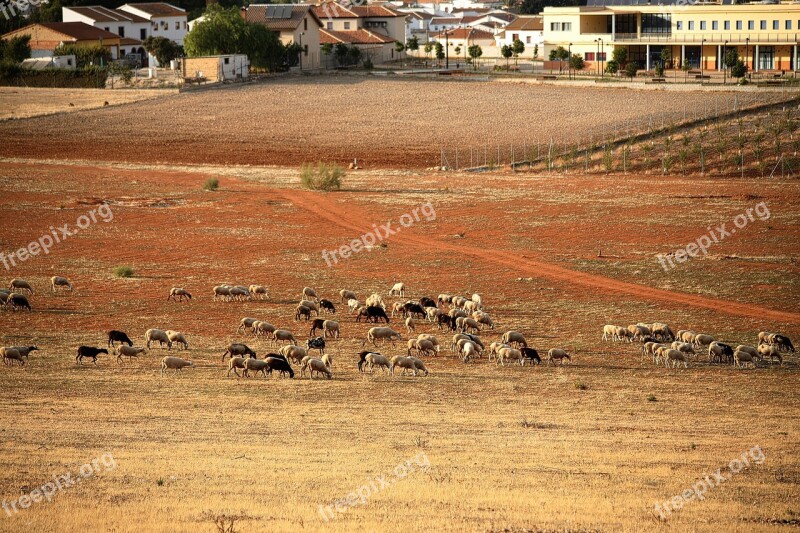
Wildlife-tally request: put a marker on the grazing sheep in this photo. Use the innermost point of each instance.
(234, 363)
(346, 295)
(331, 329)
(174, 363)
(610, 332)
(177, 293)
(514, 338)
(662, 332)
(496, 347)
(153, 335)
(427, 302)
(510, 354)
(373, 359)
(10, 355)
(557, 354)
(766, 350)
(222, 292)
(783, 343)
(483, 318)
(262, 328)
(458, 301)
(302, 311)
(703, 340)
(432, 338)
(375, 300)
(118, 336)
(638, 331)
(309, 294)
(410, 326)
(4, 296)
(311, 305)
(457, 337)
(283, 335)
(419, 365)
(623, 333)
(687, 336)
(129, 351)
(353, 305)
(58, 281)
(476, 298)
(747, 349)
(740, 357)
(328, 306)
(18, 301)
(317, 323)
(444, 299)
(398, 289)
(456, 313)
(372, 313)
(425, 347)
(406, 363)
(398, 308)
(530, 354)
(471, 307)
(240, 293)
(176, 337)
(764, 336)
(328, 360)
(470, 324)
(317, 343)
(446, 320)
(293, 352)
(318, 366)
(237, 349)
(256, 366)
(719, 351)
(674, 357)
(21, 284)
(684, 347)
(467, 350)
(89, 351)
(245, 324)
(381, 333)
(259, 291)
(25, 351)
(279, 364)
(432, 313)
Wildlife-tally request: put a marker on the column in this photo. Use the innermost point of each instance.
(794, 57)
(719, 57)
(683, 54)
(613, 26)
(647, 58)
(755, 58)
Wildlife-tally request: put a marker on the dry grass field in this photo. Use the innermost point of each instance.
(589, 446)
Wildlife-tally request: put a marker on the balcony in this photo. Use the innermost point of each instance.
(709, 37)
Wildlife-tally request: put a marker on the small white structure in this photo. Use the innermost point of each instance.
(166, 20)
(216, 68)
(41, 63)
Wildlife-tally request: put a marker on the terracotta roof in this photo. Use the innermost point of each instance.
(104, 14)
(508, 17)
(445, 20)
(258, 13)
(334, 10)
(127, 41)
(158, 9)
(376, 10)
(352, 37)
(466, 33)
(78, 31)
(523, 23)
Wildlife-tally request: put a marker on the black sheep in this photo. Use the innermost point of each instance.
(118, 336)
(89, 351)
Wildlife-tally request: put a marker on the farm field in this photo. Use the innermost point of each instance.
(592, 445)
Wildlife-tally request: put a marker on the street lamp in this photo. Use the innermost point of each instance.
(301, 49)
(747, 51)
(724, 66)
(597, 58)
(702, 45)
(569, 61)
(602, 51)
(446, 51)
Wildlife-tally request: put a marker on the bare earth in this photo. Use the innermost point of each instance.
(590, 446)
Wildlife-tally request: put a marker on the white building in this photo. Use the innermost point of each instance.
(165, 20)
(131, 28)
(527, 28)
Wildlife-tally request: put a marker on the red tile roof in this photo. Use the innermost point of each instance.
(78, 31)
(258, 13)
(523, 23)
(466, 33)
(334, 10)
(352, 37)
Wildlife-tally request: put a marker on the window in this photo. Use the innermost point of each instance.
(329, 25)
(514, 37)
(107, 28)
(305, 28)
(305, 50)
(601, 56)
(738, 24)
(184, 24)
(155, 26)
(554, 26)
(776, 25)
(726, 25)
(227, 60)
(715, 25)
(528, 39)
(177, 25)
(702, 24)
(121, 31)
(763, 24)
(566, 26)
(679, 25)
(347, 25)
(788, 24)
(142, 34)
(691, 25)
(589, 56)
(656, 23)
(751, 25)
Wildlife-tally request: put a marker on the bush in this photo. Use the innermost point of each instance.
(580, 385)
(322, 177)
(368, 64)
(211, 184)
(659, 70)
(630, 69)
(123, 272)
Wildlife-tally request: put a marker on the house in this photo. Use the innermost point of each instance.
(417, 24)
(527, 28)
(46, 36)
(216, 68)
(132, 29)
(378, 48)
(438, 24)
(379, 19)
(165, 20)
(294, 23)
(464, 38)
(695, 34)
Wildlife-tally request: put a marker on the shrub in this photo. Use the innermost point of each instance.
(580, 385)
(211, 184)
(123, 272)
(651, 398)
(322, 177)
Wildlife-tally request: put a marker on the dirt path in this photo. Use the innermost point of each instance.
(348, 218)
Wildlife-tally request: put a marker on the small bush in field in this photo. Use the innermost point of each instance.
(322, 177)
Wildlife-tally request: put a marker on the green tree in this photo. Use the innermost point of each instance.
(559, 54)
(412, 44)
(163, 49)
(341, 54)
(518, 48)
(731, 57)
(536, 51)
(666, 57)
(631, 69)
(475, 51)
(576, 62)
(428, 49)
(739, 70)
(291, 54)
(354, 54)
(399, 48)
(506, 51)
(439, 53)
(457, 50)
(612, 67)
(16, 49)
(327, 50)
(620, 56)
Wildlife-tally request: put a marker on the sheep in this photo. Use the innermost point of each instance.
(118, 336)
(293, 352)
(128, 351)
(458, 301)
(471, 307)
(302, 311)
(410, 326)
(638, 331)
(406, 363)
(234, 363)
(509, 354)
(309, 294)
(747, 349)
(245, 324)
(283, 335)
(609, 331)
(462, 342)
(177, 293)
(237, 349)
(152, 335)
(174, 363)
(398, 308)
(494, 348)
(21, 284)
(662, 332)
(514, 338)
(381, 333)
(766, 350)
(425, 347)
(432, 313)
(687, 336)
(279, 364)
(375, 299)
(763, 337)
(675, 357)
(483, 318)
(476, 298)
(25, 351)
(703, 340)
(447, 321)
(426, 302)
(373, 359)
(58, 281)
(259, 291)
(317, 323)
(262, 328)
(318, 366)
(256, 365)
(347, 295)
(331, 329)
(783, 342)
(398, 289)
(372, 313)
(222, 292)
(419, 365)
(4, 296)
(18, 301)
(623, 333)
(721, 351)
(176, 337)
(740, 357)
(468, 350)
(455, 314)
(530, 354)
(10, 355)
(432, 338)
(328, 306)
(240, 293)
(353, 305)
(89, 351)
(311, 305)
(557, 354)
(444, 299)
(317, 343)
(684, 347)
(327, 359)
(457, 337)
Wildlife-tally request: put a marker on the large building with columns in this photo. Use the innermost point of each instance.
(765, 35)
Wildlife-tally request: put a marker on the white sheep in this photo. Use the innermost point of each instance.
(397, 309)
(58, 281)
(469, 324)
(557, 354)
(483, 318)
(176, 337)
(457, 313)
(331, 329)
(703, 340)
(283, 335)
(375, 359)
(458, 301)
(445, 299)
(740, 357)
(609, 331)
(10, 355)
(234, 363)
(432, 338)
(419, 365)
(675, 357)
(747, 349)
(256, 365)
(353, 305)
(382, 333)
(261, 328)
(687, 336)
(471, 307)
(311, 305)
(375, 299)
(496, 347)
(410, 325)
(123, 350)
(398, 289)
(259, 291)
(406, 363)
(511, 354)
(292, 352)
(318, 366)
(347, 295)
(153, 335)
(245, 324)
(468, 350)
(477, 299)
(432, 313)
(514, 337)
(684, 347)
(766, 350)
(174, 363)
(222, 292)
(178, 293)
(309, 294)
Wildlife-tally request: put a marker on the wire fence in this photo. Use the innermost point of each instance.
(637, 142)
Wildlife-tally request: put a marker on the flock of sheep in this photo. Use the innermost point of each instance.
(466, 318)
(659, 341)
